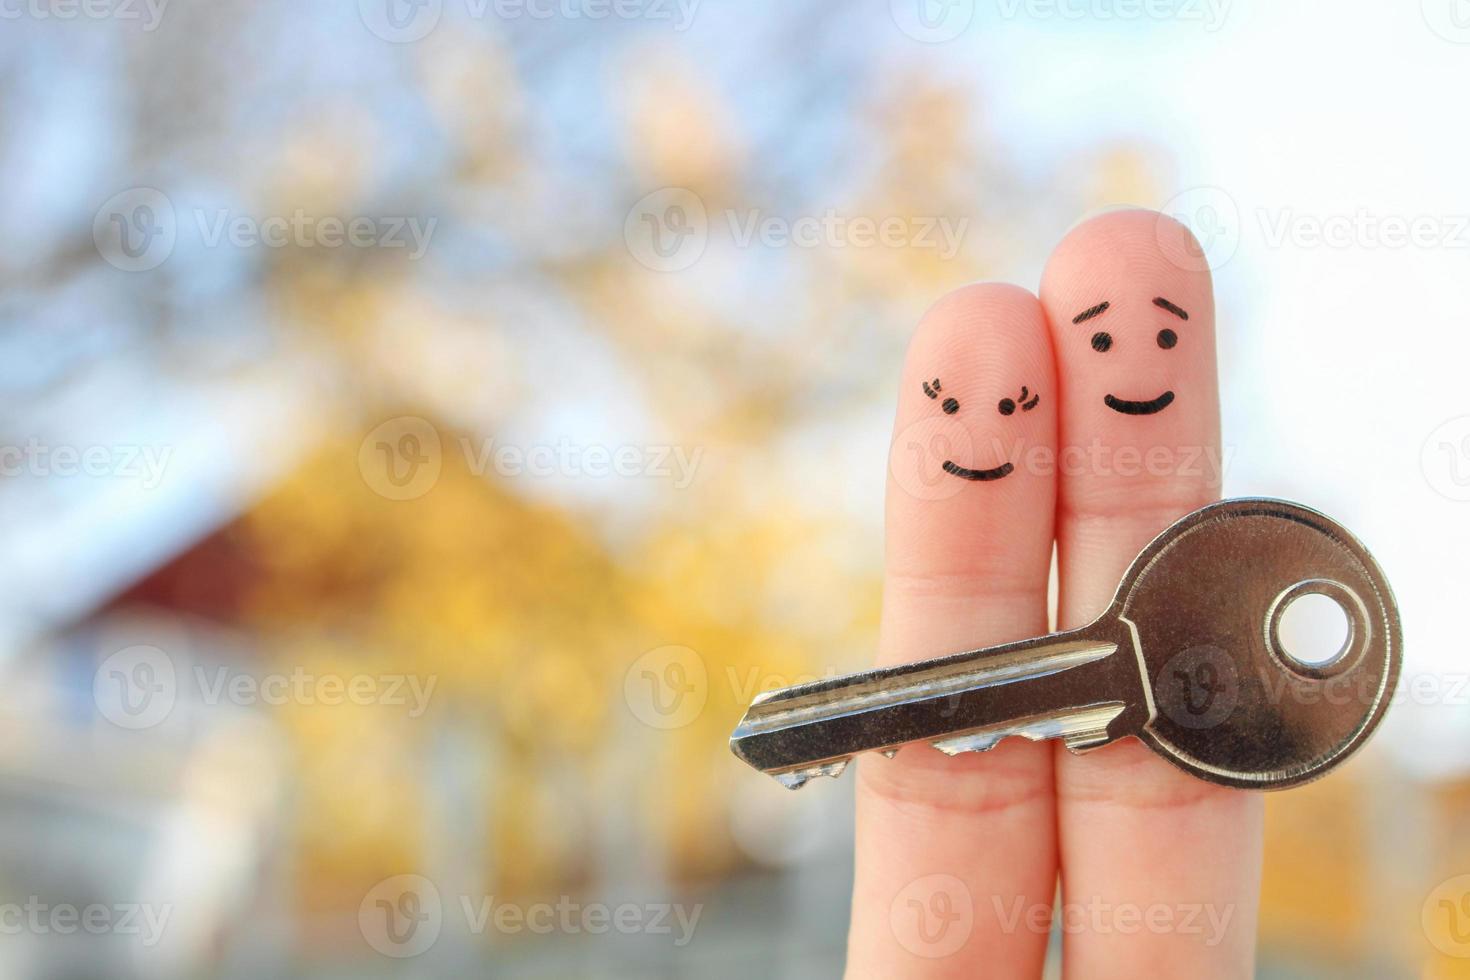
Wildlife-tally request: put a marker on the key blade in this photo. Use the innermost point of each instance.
(1069, 685)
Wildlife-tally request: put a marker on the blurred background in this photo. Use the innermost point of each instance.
(427, 423)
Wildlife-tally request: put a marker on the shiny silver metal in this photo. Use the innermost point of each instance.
(1187, 658)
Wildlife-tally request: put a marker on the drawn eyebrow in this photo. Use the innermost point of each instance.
(1091, 312)
(1164, 304)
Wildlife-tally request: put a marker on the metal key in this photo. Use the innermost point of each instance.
(1188, 658)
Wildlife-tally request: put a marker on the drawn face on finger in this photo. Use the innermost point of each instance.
(1025, 401)
(1102, 342)
(975, 407)
(1132, 318)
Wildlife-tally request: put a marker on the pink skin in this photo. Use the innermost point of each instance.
(949, 849)
(1118, 259)
(966, 564)
(1138, 473)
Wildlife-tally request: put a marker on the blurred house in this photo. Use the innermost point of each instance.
(207, 667)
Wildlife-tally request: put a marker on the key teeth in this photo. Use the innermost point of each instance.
(797, 778)
(1081, 730)
(1080, 742)
(957, 745)
(1105, 728)
(792, 780)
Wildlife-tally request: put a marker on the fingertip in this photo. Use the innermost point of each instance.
(1129, 324)
(971, 468)
(974, 302)
(1133, 328)
(983, 331)
(1121, 242)
(1103, 210)
(978, 381)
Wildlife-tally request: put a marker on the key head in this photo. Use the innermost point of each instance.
(1230, 702)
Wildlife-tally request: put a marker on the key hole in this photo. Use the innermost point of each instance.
(1314, 630)
(1324, 639)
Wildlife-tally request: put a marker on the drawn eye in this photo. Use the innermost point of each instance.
(1007, 406)
(1167, 338)
(1102, 342)
(950, 406)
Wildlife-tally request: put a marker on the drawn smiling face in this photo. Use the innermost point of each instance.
(1102, 343)
(1006, 406)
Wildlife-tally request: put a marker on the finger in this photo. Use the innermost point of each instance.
(1172, 862)
(956, 858)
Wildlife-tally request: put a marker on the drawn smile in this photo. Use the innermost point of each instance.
(1139, 408)
(1004, 469)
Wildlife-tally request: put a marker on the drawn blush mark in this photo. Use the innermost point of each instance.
(983, 476)
(1139, 408)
